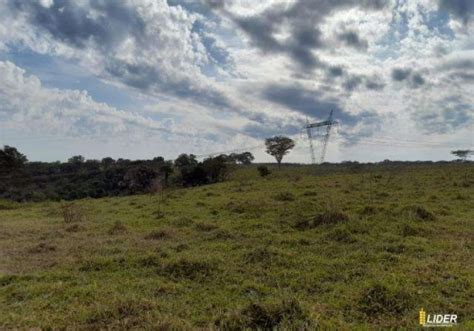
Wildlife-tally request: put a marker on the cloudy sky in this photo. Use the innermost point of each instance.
(141, 78)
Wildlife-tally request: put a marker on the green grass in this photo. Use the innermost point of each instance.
(294, 250)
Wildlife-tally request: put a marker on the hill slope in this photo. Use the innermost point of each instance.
(294, 250)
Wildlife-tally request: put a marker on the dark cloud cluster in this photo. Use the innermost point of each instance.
(314, 104)
(459, 69)
(461, 9)
(414, 79)
(352, 38)
(302, 20)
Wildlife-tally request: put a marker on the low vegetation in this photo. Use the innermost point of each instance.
(331, 247)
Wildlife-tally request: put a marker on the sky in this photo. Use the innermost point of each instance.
(141, 78)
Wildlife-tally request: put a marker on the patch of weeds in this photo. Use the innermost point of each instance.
(250, 207)
(104, 264)
(418, 213)
(72, 212)
(10, 279)
(408, 230)
(181, 247)
(304, 242)
(187, 269)
(378, 300)
(96, 265)
(262, 255)
(460, 196)
(309, 193)
(9, 205)
(327, 217)
(200, 204)
(235, 208)
(268, 316)
(158, 214)
(125, 313)
(368, 210)
(382, 195)
(149, 261)
(74, 228)
(223, 235)
(330, 217)
(42, 248)
(396, 248)
(118, 228)
(183, 221)
(341, 235)
(159, 235)
(284, 196)
(205, 227)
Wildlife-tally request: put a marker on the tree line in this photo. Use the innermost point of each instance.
(77, 178)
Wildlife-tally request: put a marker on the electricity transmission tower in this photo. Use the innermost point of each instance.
(324, 124)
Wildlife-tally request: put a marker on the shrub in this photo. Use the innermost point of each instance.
(263, 171)
(72, 213)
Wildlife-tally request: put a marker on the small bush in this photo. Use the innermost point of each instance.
(72, 213)
(284, 196)
(263, 171)
(287, 314)
(118, 228)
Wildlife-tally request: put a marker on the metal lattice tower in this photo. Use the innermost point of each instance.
(309, 126)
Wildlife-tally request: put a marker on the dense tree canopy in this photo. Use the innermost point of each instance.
(278, 147)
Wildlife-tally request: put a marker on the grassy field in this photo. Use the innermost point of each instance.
(295, 250)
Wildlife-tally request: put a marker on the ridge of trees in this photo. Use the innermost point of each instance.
(77, 178)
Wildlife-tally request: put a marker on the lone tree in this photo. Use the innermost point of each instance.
(278, 147)
(463, 154)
